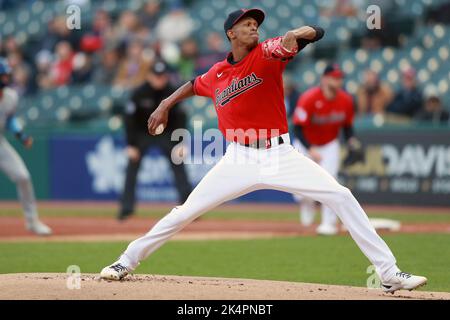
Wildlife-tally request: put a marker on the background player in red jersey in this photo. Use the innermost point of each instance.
(319, 116)
(247, 91)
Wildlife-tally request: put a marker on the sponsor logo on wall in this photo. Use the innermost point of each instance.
(107, 162)
(400, 171)
(406, 168)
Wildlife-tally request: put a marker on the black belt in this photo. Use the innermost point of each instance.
(264, 143)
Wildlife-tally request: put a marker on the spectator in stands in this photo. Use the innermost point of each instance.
(83, 68)
(43, 62)
(21, 81)
(187, 64)
(102, 24)
(16, 60)
(126, 27)
(21, 73)
(58, 32)
(433, 110)
(91, 43)
(372, 96)
(408, 100)
(133, 69)
(214, 52)
(176, 26)
(145, 34)
(61, 69)
(101, 34)
(150, 14)
(10, 45)
(339, 8)
(107, 66)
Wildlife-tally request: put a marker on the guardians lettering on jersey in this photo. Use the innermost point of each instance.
(333, 117)
(236, 88)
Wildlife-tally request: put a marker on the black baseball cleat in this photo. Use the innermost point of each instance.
(124, 214)
(115, 271)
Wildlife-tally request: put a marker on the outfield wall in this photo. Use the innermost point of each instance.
(401, 167)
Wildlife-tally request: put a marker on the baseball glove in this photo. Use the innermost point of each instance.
(355, 154)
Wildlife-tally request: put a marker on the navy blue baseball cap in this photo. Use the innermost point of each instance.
(237, 15)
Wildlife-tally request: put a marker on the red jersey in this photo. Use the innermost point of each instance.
(248, 95)
(321, 119)
(62, 70)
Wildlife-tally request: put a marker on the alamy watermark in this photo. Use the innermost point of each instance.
(373, 281)
(73, 281)
(73, 20)
(210, 146)
(373, 20)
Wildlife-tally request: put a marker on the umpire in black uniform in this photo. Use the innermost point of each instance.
(144, 100)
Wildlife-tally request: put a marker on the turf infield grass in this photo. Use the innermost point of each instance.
(327, 260)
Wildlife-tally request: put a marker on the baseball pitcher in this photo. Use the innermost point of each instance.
(10, 162)
(247, 91)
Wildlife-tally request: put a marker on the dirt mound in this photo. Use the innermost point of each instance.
(54, 286)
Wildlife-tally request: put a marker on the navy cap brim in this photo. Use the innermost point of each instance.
(255, 13)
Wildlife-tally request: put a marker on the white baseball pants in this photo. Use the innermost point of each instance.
(14, 167)
(242, 170)
(330, 162)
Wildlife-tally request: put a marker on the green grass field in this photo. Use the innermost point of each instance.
(334, 260)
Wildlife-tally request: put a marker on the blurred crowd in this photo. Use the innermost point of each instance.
(119, 50)
(376, 98)
(113, 50)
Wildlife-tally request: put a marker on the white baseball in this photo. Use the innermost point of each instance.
(159, 129)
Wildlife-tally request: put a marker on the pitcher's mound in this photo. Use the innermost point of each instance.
(55, 286)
